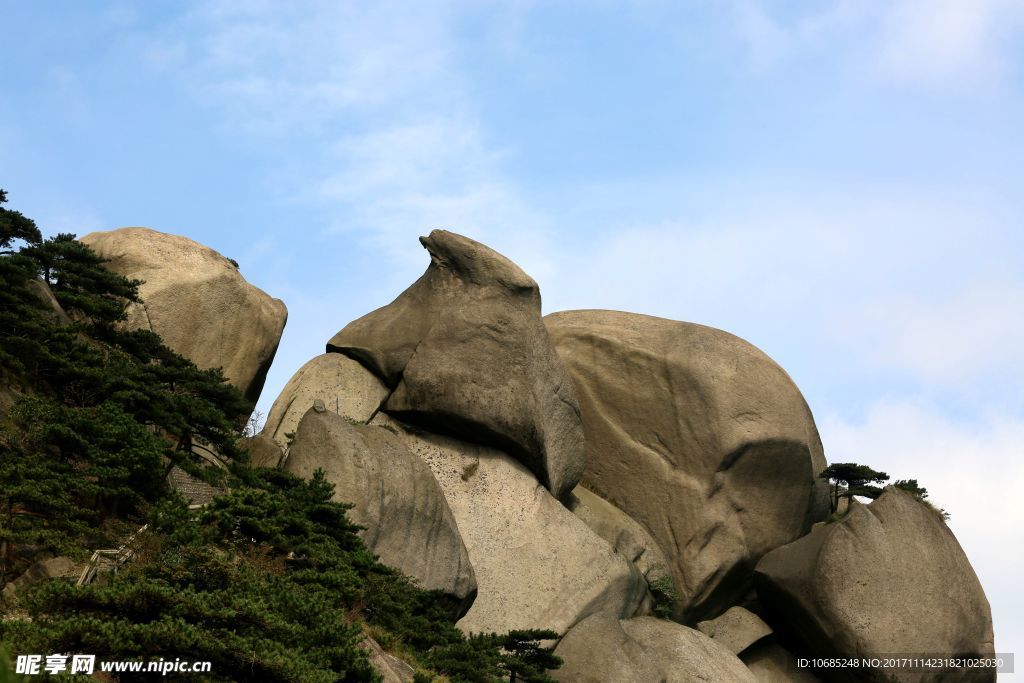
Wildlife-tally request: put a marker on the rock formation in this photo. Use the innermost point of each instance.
(454, 419)
(42, 291)
(537, 565)
(644, 649)
(391, 668)
(464, 351)
(700, 438)
(889, 578)
(50, 568)
(623, 534)
(344, 386)
(737, 629)
(198, 302)
(263, 452)
(771, 663)
(394, 495)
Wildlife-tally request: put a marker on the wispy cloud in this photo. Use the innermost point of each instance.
(857, 296)
(934, 43)
(303, 65)
(770, 40)
(938, 42)
(401, 147)
(973, 333)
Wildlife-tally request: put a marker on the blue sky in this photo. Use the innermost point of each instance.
(839, 182)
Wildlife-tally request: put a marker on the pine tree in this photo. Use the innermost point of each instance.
(850, 479)
(14, 226)
(269, 582)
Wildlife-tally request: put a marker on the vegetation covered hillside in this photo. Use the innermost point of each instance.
(269, 582)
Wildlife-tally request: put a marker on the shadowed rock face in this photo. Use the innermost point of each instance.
(624, 535)
(465, 352)
(644, 649)
(198, 302)
(888, 578)
(394, 494)
(700, 438)
(42, 291)
(537, 565)
(771, 663)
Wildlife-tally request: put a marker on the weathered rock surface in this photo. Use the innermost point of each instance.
(644, 649)
(599, 649)
(391, 668)
(699, 437)
(771, 663)
(466, 352)
(889, 578)
(625, 535)
(345, 387)
(195, 491)
(198, 302)
(43, 292)
(537, 565)
(736, 629)
(50, 568)
(262, 450)
(408, 522)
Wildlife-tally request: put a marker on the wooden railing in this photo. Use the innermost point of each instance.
(109, 561)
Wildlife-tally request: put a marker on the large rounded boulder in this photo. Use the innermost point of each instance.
(198, 302)
(699, 437)
(644, 649)
(737, 629)
(342, 384)
(888, 578)
(406, 518)
(464, 351)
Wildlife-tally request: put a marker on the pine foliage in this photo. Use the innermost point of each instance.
(269, 582)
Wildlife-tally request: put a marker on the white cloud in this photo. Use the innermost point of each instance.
(438, 172)
(874, 279)
(893, 283)
(282, 69)
(975, 470)
(973, 332)
(423, 153)
(938, 41)
(764, 38)
(401, 147)
(770, 40)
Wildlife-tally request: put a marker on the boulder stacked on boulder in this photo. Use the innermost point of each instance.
(405, 516)
(737, 629)
(198, 302)
(344, 386)
(464, 351)
(700, 438)
(458, 422)
(537, 565)
(888, 578)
